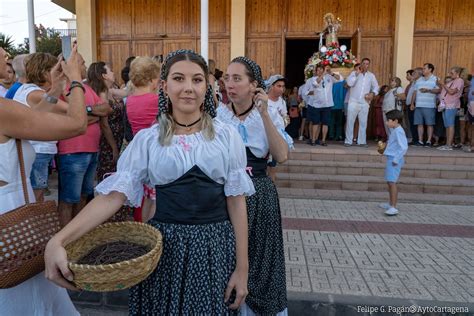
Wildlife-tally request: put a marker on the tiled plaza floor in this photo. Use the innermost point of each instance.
(350, 252)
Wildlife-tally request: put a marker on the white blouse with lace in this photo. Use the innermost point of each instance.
(145, 161)
(252, 130)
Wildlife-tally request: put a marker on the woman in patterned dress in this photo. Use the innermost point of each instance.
(262, 131)
(198, 166)
(101, 79)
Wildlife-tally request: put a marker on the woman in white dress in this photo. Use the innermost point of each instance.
(197, 166)
(36, 296)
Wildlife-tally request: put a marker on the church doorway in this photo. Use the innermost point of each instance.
(297, 53)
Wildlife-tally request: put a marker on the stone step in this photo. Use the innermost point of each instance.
(414, 155)
(376, 169)
(374, 183)
(352, 195)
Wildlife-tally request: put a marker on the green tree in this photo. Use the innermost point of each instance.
(6, 42)
(48, 40)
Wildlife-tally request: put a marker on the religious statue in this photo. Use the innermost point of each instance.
(339, 58)
(332, 26)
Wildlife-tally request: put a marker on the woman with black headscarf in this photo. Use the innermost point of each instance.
(197, 166)
(262, 131)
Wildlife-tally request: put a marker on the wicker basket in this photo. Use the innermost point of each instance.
(120, 275)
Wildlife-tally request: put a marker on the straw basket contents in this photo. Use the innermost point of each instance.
(113, 252)
(120, 275)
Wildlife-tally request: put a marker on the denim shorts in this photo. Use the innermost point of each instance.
(449, 116)
(392, 173)
(425, 116)
(40, 171)
(76, 176)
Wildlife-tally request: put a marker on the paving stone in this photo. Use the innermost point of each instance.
(294, 254)
(297, 278)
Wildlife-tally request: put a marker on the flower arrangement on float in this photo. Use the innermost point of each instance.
(333, 55)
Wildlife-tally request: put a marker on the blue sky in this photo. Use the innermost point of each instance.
(14, 17)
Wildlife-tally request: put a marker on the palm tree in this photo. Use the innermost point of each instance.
(6, 42)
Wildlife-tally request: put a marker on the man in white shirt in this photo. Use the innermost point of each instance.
(423, 102)
(275, 89)
(319, 111)
(363, 87)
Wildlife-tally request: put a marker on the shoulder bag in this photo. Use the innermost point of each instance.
(24, 233)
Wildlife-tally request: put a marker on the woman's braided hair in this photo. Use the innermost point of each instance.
(165, 119)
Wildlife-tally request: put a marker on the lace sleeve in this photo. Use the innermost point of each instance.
(280, 126)
(123, 182)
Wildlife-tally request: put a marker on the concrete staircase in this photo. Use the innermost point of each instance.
(355, 173)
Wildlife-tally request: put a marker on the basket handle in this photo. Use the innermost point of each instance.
(19, 149)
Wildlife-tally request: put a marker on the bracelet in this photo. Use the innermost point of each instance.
(75, 84)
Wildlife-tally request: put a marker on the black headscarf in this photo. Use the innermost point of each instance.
(254, 68)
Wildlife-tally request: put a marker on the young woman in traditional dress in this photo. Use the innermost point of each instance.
(262, 131)
(197, 166)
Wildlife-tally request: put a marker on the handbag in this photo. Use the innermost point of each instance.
(24, 233)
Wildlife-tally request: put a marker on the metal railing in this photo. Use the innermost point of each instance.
(66, 32)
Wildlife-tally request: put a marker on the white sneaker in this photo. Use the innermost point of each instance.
(445, 147)
(300, 138)
(385, 206)
(391, 211)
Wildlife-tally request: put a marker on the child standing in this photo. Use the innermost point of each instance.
(396, 148)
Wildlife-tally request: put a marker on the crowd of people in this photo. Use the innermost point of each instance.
(169, 147)
(438, 112)
(180, 125)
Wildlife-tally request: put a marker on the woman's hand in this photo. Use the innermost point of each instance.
(58, 79)
(261, 100)
(56, 269)
(237, 283)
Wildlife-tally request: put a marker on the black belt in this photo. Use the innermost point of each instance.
(257, 167)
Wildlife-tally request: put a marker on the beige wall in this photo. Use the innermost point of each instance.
(86, 30)
(403, 38)
(237, 29)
